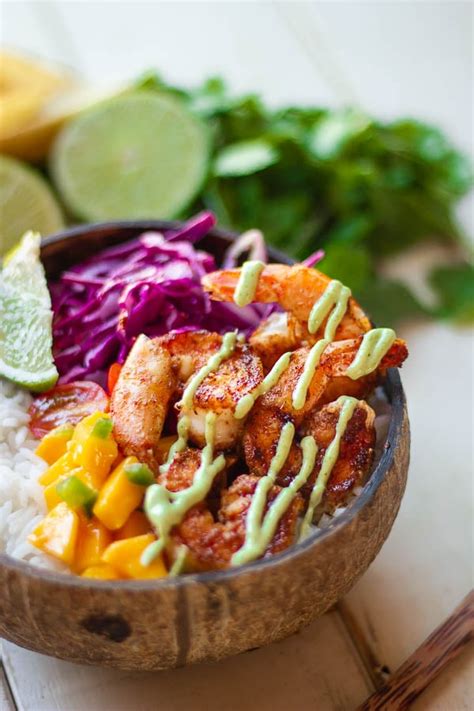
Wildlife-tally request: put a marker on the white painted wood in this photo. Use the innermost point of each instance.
(6, 701)
(395, 58)
(316, 669)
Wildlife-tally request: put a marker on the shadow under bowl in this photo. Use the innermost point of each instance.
(145, 625)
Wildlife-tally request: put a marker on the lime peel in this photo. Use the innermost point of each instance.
(26, 318)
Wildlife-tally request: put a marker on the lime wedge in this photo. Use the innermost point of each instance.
(138, 155)
(26, 203)
(25, 323)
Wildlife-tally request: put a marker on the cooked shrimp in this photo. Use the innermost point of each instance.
(220, 391)
(356, 451)
(211, 544)
(140, 400)
(274, 408)
(277, 334)
(295, 289)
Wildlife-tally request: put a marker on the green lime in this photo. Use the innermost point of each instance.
(25, 326)
(137, 155)
(26, 203)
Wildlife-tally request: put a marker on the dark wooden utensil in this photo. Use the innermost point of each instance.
(437, 651)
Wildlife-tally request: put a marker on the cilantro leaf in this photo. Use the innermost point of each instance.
(454, 286)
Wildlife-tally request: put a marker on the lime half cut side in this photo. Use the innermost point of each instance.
(140, 155)
(26, 203)
(26, 318)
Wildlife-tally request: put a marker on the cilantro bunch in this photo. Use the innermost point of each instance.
(360, 189)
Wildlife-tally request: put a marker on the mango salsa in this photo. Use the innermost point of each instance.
(93, 495)
(61, 466)
(94, 447)
(125, 555)
(92, 540)
(101, 572)
(57, 533)
(136, 525)
(118, 497)
(54, 444)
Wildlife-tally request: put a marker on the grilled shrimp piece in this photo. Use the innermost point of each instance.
(221, 390)
(211, 544)
(275, 408)
(277, 334)
(140, 400)
(352, 465)
(295, 289)
(356, 452)
(338, 356)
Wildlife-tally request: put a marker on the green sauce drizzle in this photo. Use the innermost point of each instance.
(312, 361)
(179, 445)
(348, 404)
(374, 346)
(246, 402)
(246, 287)
(178, 564)
(260, 532)
(227, 348)
(334, 298)
(165, 509)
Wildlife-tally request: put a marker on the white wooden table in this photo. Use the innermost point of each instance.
(394, 59)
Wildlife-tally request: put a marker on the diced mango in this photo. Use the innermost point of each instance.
(163, 447)
(137, 524)
(97, 456)
(61, 466)
(118, 497)
(57, 533)
(54, 444)
(101, 572)
(84, 428)
(92, 540)
(94, 453)
(124, 556)
(51, 495)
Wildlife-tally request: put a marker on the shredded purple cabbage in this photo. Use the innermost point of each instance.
(151, 285)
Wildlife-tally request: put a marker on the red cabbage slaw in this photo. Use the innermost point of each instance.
(151, 285)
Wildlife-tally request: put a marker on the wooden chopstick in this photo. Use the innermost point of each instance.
(437, 651)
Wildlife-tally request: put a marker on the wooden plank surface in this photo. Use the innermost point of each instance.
(316, 669)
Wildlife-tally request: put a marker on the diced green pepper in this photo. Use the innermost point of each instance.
(102, 428)
(75, 493)
(139, 474)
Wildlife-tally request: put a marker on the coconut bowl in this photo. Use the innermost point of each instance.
(145, 625)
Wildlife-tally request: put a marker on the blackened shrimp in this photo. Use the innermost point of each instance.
(140, 400)
(220, 391)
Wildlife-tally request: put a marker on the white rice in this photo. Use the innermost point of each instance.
(22, 503)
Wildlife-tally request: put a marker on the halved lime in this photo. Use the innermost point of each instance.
(25, 324)
(134, 156)
(26, 203)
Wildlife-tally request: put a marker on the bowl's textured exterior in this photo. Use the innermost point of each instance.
(156, 625)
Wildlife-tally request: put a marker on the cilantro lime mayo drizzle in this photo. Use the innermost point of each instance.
(165, 509)
(312, 361)
(226, 350)
(375, 344)
(246, 287)
(246, 402)
(348, 405)
(254, 545)
(261, 529)
(332, 303)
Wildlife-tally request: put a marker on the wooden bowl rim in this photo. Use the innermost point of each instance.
(398, 405)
